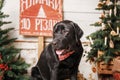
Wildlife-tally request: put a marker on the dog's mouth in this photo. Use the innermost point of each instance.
(60, 52)
(63, 54)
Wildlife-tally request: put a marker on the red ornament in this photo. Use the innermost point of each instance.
(4, 67)
(116, 75)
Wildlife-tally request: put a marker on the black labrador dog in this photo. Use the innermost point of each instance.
(61, 58)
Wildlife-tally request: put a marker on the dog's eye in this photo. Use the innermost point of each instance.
(65, 32)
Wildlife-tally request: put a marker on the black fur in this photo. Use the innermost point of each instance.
(66, 35)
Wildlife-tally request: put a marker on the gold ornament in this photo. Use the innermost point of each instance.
(113, 33)
(100, 4)
(100, 53)
(111, 44)
(102, 15)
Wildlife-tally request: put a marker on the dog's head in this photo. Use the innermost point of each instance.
(66, 34)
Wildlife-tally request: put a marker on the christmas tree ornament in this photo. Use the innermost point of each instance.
(117, 30)
(102, 15)
(100, 4)
(91, 41)
(111, 44)
(105, 41)
(108, 1)
(113, 33)
(104, 2)
(100, 53)
(110, 13)
(103, 26)
(94, 70)
(115, 11)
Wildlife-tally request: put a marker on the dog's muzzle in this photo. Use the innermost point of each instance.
(63, 56)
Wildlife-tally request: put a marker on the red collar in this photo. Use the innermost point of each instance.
(64, 56)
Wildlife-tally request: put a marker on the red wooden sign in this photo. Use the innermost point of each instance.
(37, 17)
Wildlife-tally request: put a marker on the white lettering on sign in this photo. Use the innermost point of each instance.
(54, 4)
(25, 23)
(40, 24)
(43, 24)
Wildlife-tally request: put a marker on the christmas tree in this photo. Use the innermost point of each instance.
(12, 66)
(105, 42)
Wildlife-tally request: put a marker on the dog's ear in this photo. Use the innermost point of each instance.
(78, 32)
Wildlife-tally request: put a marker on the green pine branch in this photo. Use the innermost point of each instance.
(14, 66)
(5, 31)
(1, 4)
(110, 27)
